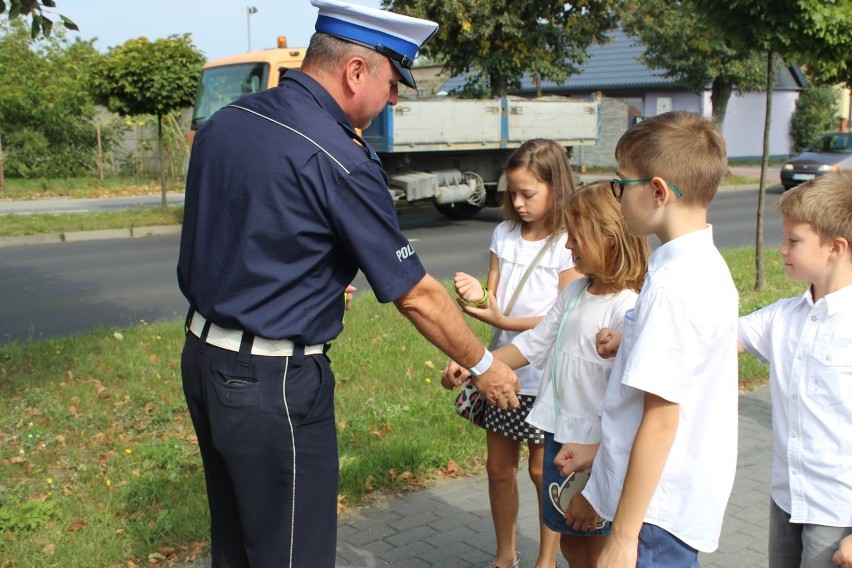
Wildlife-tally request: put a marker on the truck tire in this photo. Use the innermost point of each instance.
(458, 210)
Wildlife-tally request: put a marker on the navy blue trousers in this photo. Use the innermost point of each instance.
(266, 431)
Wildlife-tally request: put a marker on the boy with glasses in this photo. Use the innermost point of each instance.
(666, 463)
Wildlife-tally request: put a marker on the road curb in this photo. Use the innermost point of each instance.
(82, 236)
(43, 239)
(99, 235)
(155, 230)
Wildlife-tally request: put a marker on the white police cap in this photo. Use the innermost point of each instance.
(394, 35)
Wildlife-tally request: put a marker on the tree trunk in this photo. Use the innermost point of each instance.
(499, 86)
(100, 153)
(165, 201)
(764, 164)
(2, 180)
(719, 97)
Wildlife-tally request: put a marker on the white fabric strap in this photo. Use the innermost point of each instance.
(483, 365)
(495, 332)
(230, 339)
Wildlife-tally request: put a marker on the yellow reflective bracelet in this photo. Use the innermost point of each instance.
(484, 300)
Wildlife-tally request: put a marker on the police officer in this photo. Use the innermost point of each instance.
(284, 203)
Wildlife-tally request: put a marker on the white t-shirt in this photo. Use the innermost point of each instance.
(809, 349)
(679, 343)
(514, 255)
(581, 374)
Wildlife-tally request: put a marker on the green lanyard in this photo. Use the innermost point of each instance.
(568, 309)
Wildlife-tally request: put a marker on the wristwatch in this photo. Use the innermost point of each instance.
(483, 365)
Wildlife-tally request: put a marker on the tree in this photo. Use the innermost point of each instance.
(503, 39)
(145, 77)
(46, 110)
(695, 52)
(835, 73)
(798, 30)
(40, 24)
(816, 113)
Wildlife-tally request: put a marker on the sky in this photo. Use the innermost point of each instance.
(218, 27)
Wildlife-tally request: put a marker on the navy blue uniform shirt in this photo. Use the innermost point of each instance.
(282, 209)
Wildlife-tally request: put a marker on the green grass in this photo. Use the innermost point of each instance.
(83, 187)
(23, 225)
(98, 460)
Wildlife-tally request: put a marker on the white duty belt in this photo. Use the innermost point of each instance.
(230, 339)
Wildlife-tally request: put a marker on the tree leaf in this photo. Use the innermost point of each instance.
(69, 24)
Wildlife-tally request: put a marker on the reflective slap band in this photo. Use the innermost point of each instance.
(483, 365)
(481, 303)
(484, 299)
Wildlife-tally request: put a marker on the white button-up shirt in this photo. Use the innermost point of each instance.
(809, 349)
(679, 343)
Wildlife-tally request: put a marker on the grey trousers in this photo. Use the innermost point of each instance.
(795, 545)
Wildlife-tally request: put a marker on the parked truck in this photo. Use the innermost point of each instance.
(446, 151)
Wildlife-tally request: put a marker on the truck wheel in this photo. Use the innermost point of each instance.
(458, 210)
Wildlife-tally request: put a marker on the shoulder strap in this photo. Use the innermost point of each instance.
(528, 272)
(554, 351)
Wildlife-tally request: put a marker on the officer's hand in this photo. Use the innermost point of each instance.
(499, 385)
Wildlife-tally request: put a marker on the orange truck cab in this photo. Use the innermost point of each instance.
(226, 79)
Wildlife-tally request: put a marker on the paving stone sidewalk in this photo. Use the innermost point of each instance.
(449, 524)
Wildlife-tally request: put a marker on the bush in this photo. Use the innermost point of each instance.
(815, 114)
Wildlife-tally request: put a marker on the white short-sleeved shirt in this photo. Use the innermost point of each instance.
(809, 349)
(514, 255)
(581, 374)
(679, 343)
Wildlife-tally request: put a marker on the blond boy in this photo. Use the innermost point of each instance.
(807, 341)
(666, 463)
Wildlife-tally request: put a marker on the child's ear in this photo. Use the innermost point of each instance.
(840, 246)
(660, 190)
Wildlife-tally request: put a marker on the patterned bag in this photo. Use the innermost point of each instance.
(469, 405)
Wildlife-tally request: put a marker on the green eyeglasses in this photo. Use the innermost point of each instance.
(617, 186)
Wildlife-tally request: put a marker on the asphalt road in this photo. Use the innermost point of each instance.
(52, 290)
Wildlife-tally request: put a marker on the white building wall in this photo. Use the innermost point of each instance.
(744, 124)
(744, 118)
(660, 102)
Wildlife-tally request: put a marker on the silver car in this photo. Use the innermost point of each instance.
(828, 153)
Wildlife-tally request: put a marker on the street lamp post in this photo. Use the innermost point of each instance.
(249, 11)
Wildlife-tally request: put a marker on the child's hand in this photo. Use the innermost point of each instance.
(619, 551)
(468, 288)
(843, 556)
(575, 457)
(454, 376)
(347, 295)
(488, 313)
(607, 342)
(580, 514)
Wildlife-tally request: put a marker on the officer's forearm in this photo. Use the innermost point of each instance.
(436, 316)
